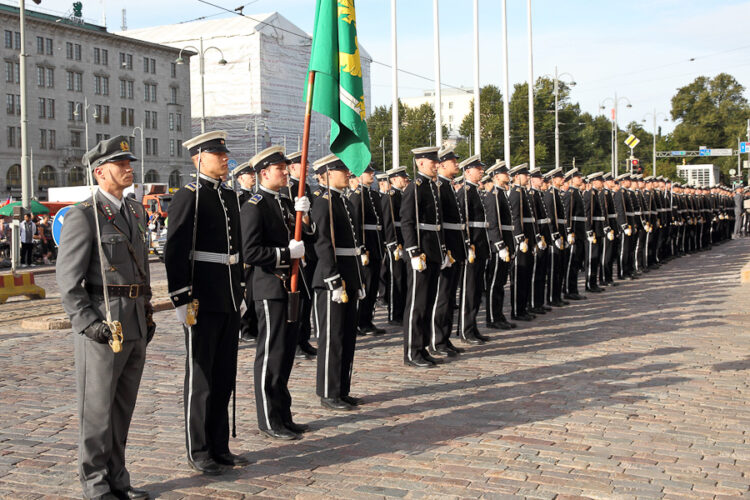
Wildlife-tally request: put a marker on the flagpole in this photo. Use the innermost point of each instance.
(477, 134)
(532, 152)
(438, 97)
(303, 174)
(394, 86)
(506, 90)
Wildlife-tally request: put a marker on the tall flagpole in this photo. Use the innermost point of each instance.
(532, 153)
(477, 132)
(438, 98)
(506, 90)
(394, 86)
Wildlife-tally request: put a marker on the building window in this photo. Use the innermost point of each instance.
(149, 92)
(175, 179)
(155, 146)
(47, 177)
(173, 70)
(51, 109)
(101, 137)
(179, 148)
(152, 175)
(171, 147)
(101, 85)
(131, 117)
(97, 55)
(126, 60)
(77, 51)
(43, 139)
(173, 95)
(41, 75)
(69, 50)
(14, 137)
(105, 57)
(13, 177)
(74, 81)
(171, 121)
(148, 145)
(12, 72)
(105, 115)
(49, 46)
(153, 120)
(52, 139)
(13, 104)
(75, 176)
(42, 107)
(98, 113)
(40, 45)
(50, 77)
(145, 65)
(178, 122)
(75, 139)
(8, 39)
(72, 108)
(147, 122)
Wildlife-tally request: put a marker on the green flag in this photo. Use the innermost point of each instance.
(338, 91)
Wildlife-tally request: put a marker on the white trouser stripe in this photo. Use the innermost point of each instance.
(462, 323)
(328, 341)
(515, 287)
(533, 279)
(390, 287)
(190, 390)
(492, 291)
(432, 322)
(264, 396)
(411, 310)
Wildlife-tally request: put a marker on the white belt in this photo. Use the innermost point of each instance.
(216, 258)
(544, 221)
(347, 252)
(429, 227)
(630, 214)
(598, 219)
(528, 219)
(480, 225)
(578, 218)
(397, 223)
(454, 226)
(638, 213)
(612, 216)
(506, 227)
(373, 227)
(562, 221)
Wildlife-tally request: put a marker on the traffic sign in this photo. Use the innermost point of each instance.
(678, 153)
(632, 141)
(744, 147)
(231, 164)
(57, 224)
(703, 151)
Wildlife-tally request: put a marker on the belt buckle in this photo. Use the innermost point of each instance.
(133, 292)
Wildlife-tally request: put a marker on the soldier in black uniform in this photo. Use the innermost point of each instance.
(524, 239)
(558, 245)
(268, 222)
(544, 237)
(394, 246)
(338, 285)
(384, 186)
(596, 218)
(611, 241)
(454, 235)
(368, 218)
(421, 225)
(213, 276)
(304, 328)
(477, 253)
(500, 233)
(578, 227)
(245, 176)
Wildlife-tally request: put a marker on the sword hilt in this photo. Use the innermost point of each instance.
(117, 339)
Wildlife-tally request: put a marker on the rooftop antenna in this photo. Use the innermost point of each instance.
(124, 26)
(104, 13)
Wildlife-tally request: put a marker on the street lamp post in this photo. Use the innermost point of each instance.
(254, 121)
(615, 102)
(77, 112)
(143, 168)
(557, 123)
(202, 67)
(655, 116)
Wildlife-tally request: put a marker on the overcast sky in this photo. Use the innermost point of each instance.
(641, 49)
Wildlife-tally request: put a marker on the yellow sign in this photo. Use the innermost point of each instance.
(632, 141)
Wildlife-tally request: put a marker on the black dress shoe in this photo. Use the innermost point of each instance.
(208, 466)
(246, 337)
(575, 296)
(523, 317)
(418, 362)
(557, 303)
(296, 428)
(300, 354)
(547, 308)
(365, 331)
(538, 310)
(472, 340)
(107, 496)
(396, 322)
(481, 337)
(351, 400)
(430, 359)
(458, 350)
(499, 325)
(131, 493)
(378, 331)
(336, 404)
(307, 348)
(231, 459)
(283, 434)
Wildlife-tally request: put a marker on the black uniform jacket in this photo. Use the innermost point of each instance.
(422, 231)
(454, 230)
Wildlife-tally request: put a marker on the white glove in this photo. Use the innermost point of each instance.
(504, 254)
(559, 243)
(541, 245)
(418, 264)
(446, 262)
(397, 253)
(152, 227)
(181, 312)
(611, 235)
(365, 258)
(243, 308)
(472, 254)
(296, 249)
(338, 295)
(571, 238)
(302, 204)
(361, 294)
(524, 246)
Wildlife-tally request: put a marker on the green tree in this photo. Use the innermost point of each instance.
(490, 124)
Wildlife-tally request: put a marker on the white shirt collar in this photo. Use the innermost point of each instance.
(270, 191)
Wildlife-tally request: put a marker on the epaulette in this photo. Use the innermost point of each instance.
(255, 199)
(317, 192)
(324, 195)
(356, 191)
(418, 181)
(190, 186)
(392, 192)
(226, 186)
(84, 204)
(519, 190)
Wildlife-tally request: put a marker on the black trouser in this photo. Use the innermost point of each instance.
(593, 256)
(472, 288)
(520, 286)
(27, 251)
(303, 328)
(249, 320)
(539, 277)
(442, 310)
(606, 256)
(638, 252)
(396, 290)
(420, 301)
(337, 337)
(575, 259)
(555, 274)
(625, 255)
(384, 278)
(274, 358)
(210, 373)
(496, 279)
(371, 281)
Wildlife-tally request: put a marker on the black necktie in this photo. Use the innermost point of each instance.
(124, 213)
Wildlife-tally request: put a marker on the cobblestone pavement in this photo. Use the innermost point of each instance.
(641, 391)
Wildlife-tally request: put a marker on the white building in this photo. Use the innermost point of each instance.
(455, 104)
(699, 175)
(127, 83)
(261, 88)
